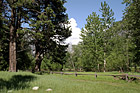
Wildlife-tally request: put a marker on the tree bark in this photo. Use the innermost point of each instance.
(105, 58)
(38, 64)
(104, 65)
(98, 67)
(61, 67)
(12, 44)
(38, 60)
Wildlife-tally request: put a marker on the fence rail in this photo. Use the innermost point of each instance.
(122, 76)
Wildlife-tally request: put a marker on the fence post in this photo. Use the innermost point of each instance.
(126, 77)
(95, 75)
(76, 74)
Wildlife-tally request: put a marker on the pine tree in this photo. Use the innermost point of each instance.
(107, 22)
(4, 36)
(48, 28)
(47, 19)
(132, 18)
(120, 55)
(16, 11)
(92, 51)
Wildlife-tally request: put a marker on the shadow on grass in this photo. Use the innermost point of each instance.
(17, 82)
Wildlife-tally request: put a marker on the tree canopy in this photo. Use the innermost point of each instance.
(33, 34)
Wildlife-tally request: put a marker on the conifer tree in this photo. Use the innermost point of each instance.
(132, 19)
(49, 29)
(16, 15)
(4, 36)
(92, 37)
(107, 22)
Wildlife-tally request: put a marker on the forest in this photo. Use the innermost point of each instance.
(33, 34)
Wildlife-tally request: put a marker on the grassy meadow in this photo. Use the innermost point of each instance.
(23, 82)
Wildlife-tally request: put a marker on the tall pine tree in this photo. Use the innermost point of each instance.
(92, 36)
(48, 24)
(132, 18)
(107, 22)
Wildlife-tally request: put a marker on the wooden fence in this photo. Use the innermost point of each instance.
(123, 76)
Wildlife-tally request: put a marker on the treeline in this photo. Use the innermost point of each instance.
(109, 45)
(32, 31)
(32, 35)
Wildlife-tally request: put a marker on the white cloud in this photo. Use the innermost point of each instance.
(75, 38)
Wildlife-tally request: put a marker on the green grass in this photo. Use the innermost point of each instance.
(23, 82)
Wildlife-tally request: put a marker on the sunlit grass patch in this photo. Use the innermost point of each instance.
(25, 81)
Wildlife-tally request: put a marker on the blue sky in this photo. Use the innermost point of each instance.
(80, 9)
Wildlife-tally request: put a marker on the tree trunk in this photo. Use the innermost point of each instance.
(121, 69)
(105, 60)
(38, 65)
(61, 67)
(12, 44)
(104, 65)
(98, 67)
(104, 53)
(38, 60)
